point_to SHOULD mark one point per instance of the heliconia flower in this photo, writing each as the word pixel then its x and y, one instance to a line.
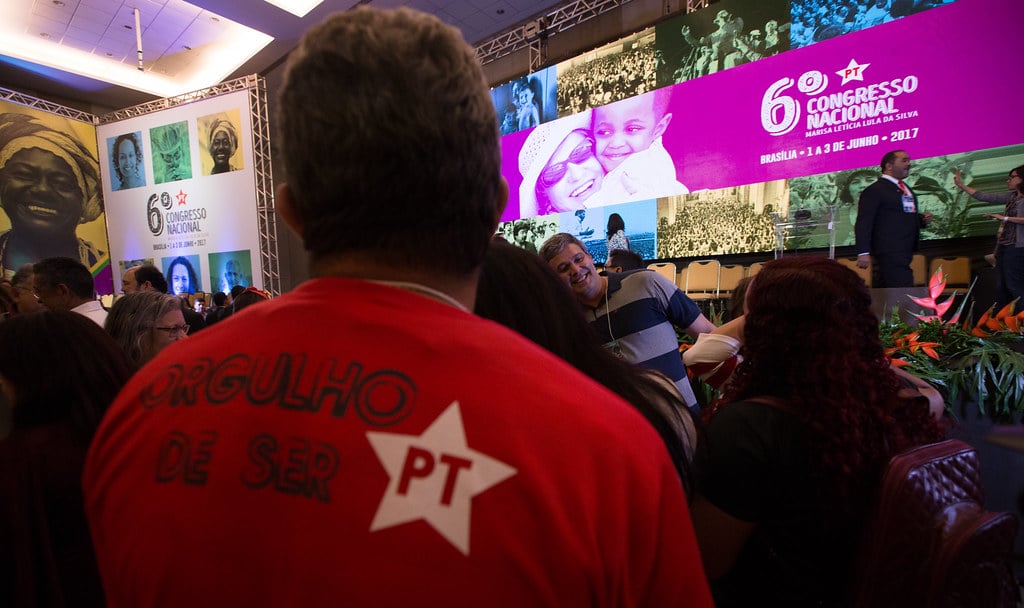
pixel 1007 310
pixel 899 362
pixel 924 302
pixel 936 284
pixel 940 309
pixel 984 318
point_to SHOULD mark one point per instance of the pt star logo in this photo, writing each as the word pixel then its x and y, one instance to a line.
pixel 853 71
pixel 434 477
pixel 181 196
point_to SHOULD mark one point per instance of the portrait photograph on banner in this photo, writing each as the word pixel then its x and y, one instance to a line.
pixel 230 268
pixel 219 151
pixel 127 169
pixel 50 192
pixel 172 160
pixel 526 102
pixel 182 274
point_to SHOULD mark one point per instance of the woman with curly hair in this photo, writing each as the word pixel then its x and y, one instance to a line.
pixel 793 459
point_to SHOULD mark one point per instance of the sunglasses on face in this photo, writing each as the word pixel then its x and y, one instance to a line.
pixel 552 174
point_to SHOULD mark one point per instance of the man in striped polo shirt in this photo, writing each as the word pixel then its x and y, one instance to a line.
pixel 635 312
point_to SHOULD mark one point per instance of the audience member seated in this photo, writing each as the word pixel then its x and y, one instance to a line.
pixel 145 322
pixel 58 374
pixel 248 297
pixel 792 461
pixel 714 357
pixel 519 290
pixel 621 260
pixel 193 319
pixel 216 312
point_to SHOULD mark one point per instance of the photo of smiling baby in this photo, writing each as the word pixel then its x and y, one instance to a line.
pixel 611 154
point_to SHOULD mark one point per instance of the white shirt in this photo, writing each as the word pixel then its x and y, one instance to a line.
pixel 92 309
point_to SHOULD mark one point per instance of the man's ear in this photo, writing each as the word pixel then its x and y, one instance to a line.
pixel 659 128
pixel 62 291
pixel 499 204
pixel 285 203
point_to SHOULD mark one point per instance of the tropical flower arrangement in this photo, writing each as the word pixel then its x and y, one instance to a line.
pixel 982 364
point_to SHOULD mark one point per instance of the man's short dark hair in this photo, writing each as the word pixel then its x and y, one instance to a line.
pixel 554 245
pixel 149 272
pixel 372 171
pixel 65 271
pixel 890 157
pixel 625 259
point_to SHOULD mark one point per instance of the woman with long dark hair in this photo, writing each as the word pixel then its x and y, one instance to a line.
pixel 58 374
pixel 616 233
pixel 793 459
pixel 520 291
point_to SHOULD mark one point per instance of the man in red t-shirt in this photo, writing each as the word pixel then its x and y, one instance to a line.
pixel 365 440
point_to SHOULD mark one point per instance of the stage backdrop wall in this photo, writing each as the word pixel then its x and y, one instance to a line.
pixel 738 126
pixel 192 209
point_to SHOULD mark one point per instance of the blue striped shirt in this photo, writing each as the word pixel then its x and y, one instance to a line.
pixel 637 317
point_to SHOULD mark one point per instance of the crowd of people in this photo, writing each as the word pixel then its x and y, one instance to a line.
pixel 817 20
pixel 714 227
pixel 486 425
pixel 606 78
pixel 686 52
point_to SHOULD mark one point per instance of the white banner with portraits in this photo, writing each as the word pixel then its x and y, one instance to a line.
pixel 180 193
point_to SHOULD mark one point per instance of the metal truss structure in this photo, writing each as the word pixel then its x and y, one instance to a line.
pixel 46 106
pixel 264 186
pixel 230 86
pixel 533 35
pixel 260 125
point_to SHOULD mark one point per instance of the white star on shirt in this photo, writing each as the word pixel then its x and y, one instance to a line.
pixel 853 71
pixel 434 477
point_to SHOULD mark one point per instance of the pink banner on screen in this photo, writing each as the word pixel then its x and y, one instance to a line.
pixel 933 83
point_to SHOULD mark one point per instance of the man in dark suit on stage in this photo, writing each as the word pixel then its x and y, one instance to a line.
pixel 888 224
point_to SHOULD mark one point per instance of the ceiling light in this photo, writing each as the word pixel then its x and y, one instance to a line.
pixel 234 45
pixel 299 8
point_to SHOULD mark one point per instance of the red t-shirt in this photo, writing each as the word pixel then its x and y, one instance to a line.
pixel 351 443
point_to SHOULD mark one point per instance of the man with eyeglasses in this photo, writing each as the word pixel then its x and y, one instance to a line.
pixel 636 313
pixel 365 439
pixel 66 284
pixel 23 291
